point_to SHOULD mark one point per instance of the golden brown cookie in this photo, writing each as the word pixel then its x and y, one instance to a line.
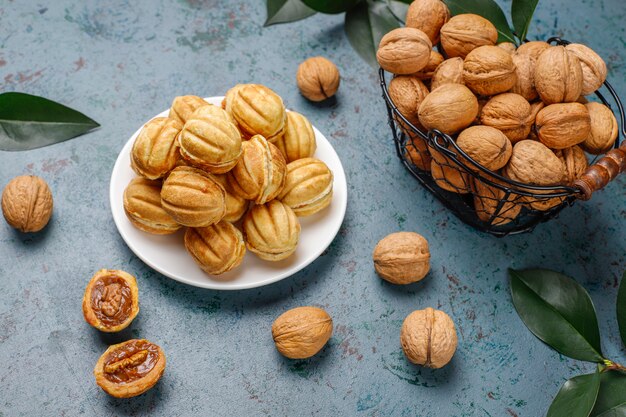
pixel 142 205
pixel 193 197
pixel 298 138
pixel 260 172
pixel 271 231
pixel 236 206
pixel 129 369
pixel 183 106
pixel 308 186
pixel 111 300
pixel 155 150
pixel 217 248
pixel 257 110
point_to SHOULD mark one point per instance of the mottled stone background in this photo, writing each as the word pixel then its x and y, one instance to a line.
pixel 122 62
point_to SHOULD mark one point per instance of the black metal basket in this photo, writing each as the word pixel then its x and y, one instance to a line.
pixel 482 198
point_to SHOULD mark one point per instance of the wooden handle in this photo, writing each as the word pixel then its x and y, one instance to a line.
pixel 602 172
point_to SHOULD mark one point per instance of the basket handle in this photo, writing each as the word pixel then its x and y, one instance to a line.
pixel 602 172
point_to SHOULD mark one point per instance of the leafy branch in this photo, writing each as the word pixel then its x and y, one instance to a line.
pixel 367 21
pixel 559 311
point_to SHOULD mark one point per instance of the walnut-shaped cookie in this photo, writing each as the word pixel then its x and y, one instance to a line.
pixel 217 248
pixel 298 139
pixel 111 300
pixel 142 205
pixel 130 368
pixel 271 231
pixel 210 140
pixel 260 172
pixel 257 110
pixel 193 197
pixel 308 186
pixel 236 206
pixel 155 150
pixel 183 106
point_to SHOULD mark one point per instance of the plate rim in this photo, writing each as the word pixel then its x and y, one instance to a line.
pixel 209 283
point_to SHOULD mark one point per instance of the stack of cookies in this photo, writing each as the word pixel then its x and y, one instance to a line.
pixel 236 176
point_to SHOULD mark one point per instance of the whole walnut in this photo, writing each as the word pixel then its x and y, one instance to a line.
pixel 302 332
pixel 593 67
pixel 449 108
pixel 534 163
pixel 318 78
pixel 427 72
pixel 402 258
pixel 604 129
pixel 428 338
pixel 465 32
pixel 510 113
pixel 558 76
pixel 447 174
pixel 487 202
pixel 449 71
pixel 489 70
pixel 428 16
pixel 404 51
pixel 27 203
pixel 507 46
pixel 416 151
pixel 525 76
pixel 485 145
pixel 533 49
pixel 563 125
pixel 407 92
pixel 574 161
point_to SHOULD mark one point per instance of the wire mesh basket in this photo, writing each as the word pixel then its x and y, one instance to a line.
pixel 485 199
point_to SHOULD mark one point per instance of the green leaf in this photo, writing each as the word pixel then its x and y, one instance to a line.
pixel 331 6
pixel 365 26
pixel 611 400
pixel 576 397
pixel 522 14
pixel 558 311
pixel 621 308
pixel 398 9
pixel 488 9
pixel 284 11
pixel 30 122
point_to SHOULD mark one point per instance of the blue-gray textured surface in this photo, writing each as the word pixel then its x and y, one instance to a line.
pixel 123 61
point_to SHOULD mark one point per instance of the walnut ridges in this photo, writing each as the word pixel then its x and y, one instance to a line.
pixel 489 70
pixel 318 78
pixel 563 125
pixel 428 338
pixel 402 258
pixel 558 76
pixel 404 51
pixel 486 145
pixel 27 203
pixel 509 113
pixel 407 92
pixel 427 72
pixel 449 71
pixel 534 163
pixel 575 163
pixel 604 129
pixel 465 32
pixel 302 332
pixel 593 67
pixel 449 108
pixel 428 16
pixel 487 204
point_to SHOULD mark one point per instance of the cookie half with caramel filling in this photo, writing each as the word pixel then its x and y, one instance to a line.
pixel 129 369
pixel 111 300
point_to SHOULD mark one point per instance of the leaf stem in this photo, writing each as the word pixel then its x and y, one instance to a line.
pixel 609 365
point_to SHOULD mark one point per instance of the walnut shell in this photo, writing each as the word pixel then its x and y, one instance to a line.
pixel 271 230
pixel 449 71
pixel 532 49
pixel 486 145
pixel 563 125
pixel 465 32
pixel 318 78
pixel 534 163
pixel 417 152
pixel 404 51
pixel 489 70
pixel 449 108
pixel 407 92
pixel 487 200
pixel 183 106
pixel 27 203
pixel 558 76
pixel 575 163
pixel 604 129
pixel 509 113
pixel 257 110
pixel 308 186
pixel 524 76
pixel 302 332
pixel 427 72
pixel 428 16
pixel 593 67
pixel 217 248
pixel 449 176
pixel 428 338
pixel 155 150
pixel 298 141
pixel 507 46
pixel 402 258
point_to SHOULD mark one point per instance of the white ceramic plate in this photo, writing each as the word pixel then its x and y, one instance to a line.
pixel 167 254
